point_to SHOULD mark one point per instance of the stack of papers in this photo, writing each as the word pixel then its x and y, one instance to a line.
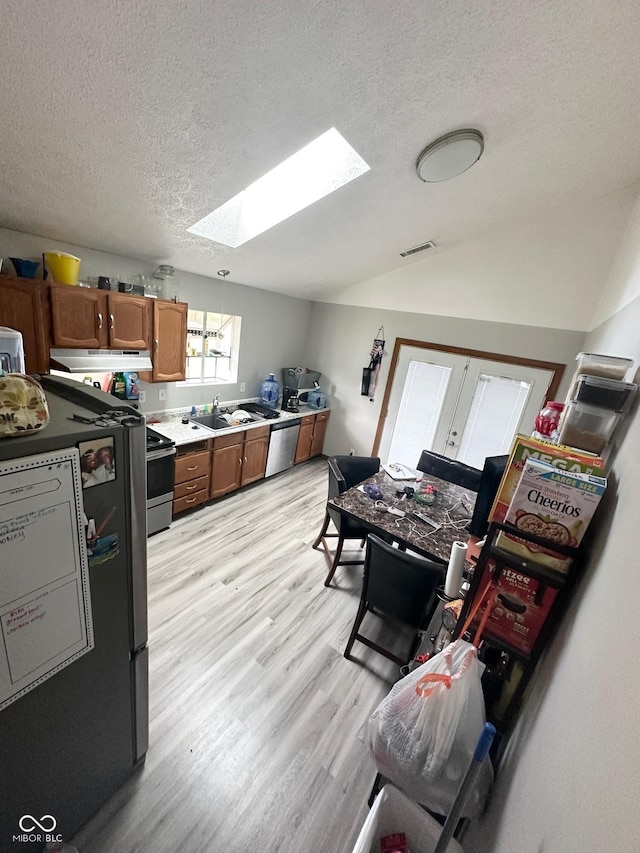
pixel 400 472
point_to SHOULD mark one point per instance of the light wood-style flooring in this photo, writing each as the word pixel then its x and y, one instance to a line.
pixel 256 716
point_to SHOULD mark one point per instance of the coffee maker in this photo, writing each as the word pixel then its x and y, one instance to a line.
pixel 290 400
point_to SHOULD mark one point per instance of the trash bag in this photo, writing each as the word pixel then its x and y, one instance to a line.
pixel 423 734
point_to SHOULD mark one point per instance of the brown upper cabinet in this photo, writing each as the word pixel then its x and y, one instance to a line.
pixel 24 307
pixel 169 350
pixel 93 319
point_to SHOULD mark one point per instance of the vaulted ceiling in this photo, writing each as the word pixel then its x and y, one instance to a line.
pixel 122 123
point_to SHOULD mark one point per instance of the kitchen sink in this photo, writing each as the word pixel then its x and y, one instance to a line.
pixel 217 422
pixel 211 421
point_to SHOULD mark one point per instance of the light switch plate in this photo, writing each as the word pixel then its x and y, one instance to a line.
pixel 243 386
pixel 162 394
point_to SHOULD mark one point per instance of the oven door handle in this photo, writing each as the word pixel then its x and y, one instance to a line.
pixel 160 453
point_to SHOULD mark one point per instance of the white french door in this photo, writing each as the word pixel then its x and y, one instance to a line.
pixel 459 406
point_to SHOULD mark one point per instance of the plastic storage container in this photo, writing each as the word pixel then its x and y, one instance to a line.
pixel 605 366
pixel 608 393
pixel 299 377
pixel 587 427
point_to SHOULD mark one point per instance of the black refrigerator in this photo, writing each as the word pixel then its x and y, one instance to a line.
pixel 73 614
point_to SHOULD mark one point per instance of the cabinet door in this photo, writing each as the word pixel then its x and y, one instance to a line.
pixel 129 321
pixel 169 354
pixel 226 470
pixel 305 437
pixel 24 307
pixel 255 459
pixel 78 317
pixel 319 430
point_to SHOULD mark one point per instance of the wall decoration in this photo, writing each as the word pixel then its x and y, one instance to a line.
pixel 370 374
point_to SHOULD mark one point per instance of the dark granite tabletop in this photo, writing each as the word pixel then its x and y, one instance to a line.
pixel 452 510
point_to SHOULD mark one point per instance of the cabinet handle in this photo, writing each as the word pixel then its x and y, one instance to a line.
pixel 190 500
pixel 155 344
pixel 99 319
pixel 112 321
pixel 191 488
pixel 193 468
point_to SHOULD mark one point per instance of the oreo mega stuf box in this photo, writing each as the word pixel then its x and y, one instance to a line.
pixel 553 504
pixel 523 449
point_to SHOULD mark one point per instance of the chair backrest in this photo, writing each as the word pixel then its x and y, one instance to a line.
pixel 450 470
pixel 344 472
pixel 402 585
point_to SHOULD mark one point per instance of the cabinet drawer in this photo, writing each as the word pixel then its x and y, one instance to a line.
pixel 190 467
pixel 257 432
pixel 185 490
pixel 189 501
pixel 308 419
pixel 323 416
pixel 228 440
pixel 192 447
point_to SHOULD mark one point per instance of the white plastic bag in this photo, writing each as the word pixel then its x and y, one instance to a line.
pixel 423 733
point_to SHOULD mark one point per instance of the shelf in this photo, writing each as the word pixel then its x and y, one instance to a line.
pixel 528 567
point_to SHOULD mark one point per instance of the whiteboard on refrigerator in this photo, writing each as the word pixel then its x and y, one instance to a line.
pixel 45 603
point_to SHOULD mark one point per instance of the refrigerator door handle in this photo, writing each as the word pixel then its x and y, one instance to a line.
pixel 137 434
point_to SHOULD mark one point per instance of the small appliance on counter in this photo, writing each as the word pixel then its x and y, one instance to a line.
pixel 11 351
pixel 290 400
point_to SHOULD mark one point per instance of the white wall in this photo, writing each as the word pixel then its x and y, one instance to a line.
pixel 274 327
pixel 340 341
pixel 548 271
pixel 570 781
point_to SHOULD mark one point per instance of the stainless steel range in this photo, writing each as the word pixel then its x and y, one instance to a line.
pixel 160 454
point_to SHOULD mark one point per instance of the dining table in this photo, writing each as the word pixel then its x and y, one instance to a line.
pixel 450 511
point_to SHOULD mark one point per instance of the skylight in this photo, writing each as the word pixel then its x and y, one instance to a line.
pixel 322 166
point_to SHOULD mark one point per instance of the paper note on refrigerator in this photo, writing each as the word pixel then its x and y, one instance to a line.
pixel 45 605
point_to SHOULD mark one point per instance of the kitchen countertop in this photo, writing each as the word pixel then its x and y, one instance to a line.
pixel 172 427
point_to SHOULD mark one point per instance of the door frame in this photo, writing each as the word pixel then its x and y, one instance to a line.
pixel 556 369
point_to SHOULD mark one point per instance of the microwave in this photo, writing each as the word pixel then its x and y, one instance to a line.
pixel 11 351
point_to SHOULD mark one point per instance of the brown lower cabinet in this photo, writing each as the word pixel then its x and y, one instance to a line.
pixel 311 436
pixel 191 475
pixel 238 459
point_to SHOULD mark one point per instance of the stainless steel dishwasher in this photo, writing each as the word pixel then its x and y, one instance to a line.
pixel 282 446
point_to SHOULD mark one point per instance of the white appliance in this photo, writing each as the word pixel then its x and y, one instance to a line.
pixel 11 351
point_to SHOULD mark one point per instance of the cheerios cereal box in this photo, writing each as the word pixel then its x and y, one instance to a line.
pixel 556 506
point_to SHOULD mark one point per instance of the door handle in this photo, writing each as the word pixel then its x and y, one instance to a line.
pixel 112 321
pixel 155 344
pixel 99 320
pixel 451 443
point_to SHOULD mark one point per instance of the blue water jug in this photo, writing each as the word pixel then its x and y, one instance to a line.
pixel 316 399
pixel 270 392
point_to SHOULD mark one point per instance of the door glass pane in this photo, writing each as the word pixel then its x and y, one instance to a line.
pixel 422 397
pixel 496 409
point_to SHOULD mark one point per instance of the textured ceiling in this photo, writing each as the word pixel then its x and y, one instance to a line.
pixel 122 123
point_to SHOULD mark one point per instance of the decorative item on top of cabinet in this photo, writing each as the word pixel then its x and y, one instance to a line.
pixel 96 319
pixel 311 436
pixel 192 472
pixel 24 306
pixel 169 350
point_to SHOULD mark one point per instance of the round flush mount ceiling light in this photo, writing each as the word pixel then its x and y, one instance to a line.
pixel 450 155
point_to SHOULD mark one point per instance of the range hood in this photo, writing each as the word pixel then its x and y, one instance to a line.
pixel 99 360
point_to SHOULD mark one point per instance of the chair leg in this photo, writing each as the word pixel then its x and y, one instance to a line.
pixel 336 560
pixel 362 609
pixel 325 527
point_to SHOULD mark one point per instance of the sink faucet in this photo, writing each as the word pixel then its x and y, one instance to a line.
pixel 216 401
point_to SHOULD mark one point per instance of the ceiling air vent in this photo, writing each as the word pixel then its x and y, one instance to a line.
pixel 421 248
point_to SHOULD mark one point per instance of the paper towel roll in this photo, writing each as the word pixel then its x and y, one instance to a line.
pixel 455 570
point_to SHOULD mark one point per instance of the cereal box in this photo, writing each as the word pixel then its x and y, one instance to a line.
pixel 521 607
pixel 524 448
pixel 553 504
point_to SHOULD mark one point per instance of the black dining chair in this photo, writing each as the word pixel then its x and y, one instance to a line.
pixel 450 470
pixel 400 586
pixel 344 472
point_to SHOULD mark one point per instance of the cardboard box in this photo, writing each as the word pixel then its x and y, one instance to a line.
pixel 520 610
pixel 561 457
pixel 555 505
